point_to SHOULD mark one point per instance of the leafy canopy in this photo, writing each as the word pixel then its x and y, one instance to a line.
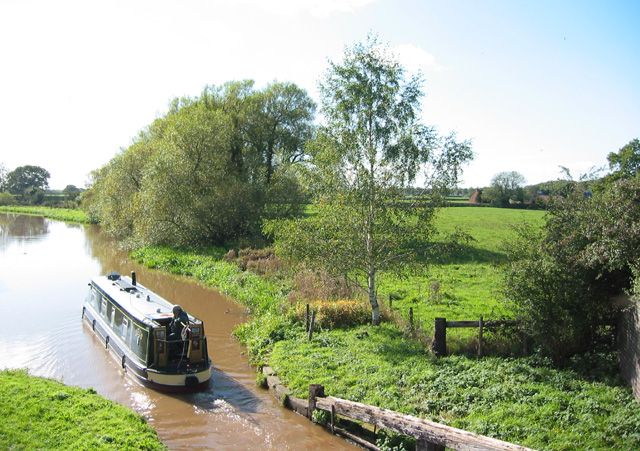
pixel 24 179
pixel 210 170
pixel 371 146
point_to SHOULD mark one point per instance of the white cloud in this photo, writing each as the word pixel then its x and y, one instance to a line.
pixel 416 59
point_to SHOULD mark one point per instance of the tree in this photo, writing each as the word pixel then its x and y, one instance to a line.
pixel 3 177
pixel 208 171
pixel 28 182
pixel 562 279
pixel 626 162
pixel 371 147
pixel 25 178
pixel 71 192
pixel 281 125
pixel 506 186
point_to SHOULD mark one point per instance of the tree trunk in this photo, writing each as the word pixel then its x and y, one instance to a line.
pixel 373 298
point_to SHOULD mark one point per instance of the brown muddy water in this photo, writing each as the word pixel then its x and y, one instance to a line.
pixel 45 267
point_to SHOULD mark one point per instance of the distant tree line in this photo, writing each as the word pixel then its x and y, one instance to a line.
pixel 29 185
pixel 508 189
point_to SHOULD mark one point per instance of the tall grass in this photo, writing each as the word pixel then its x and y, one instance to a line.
pixel 257 293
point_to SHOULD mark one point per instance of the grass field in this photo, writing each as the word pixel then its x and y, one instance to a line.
pixel 467 285
pixel 60 214
pixel 44 414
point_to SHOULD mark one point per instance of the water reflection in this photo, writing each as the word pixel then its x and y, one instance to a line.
pixel 18 228
pixel 44 269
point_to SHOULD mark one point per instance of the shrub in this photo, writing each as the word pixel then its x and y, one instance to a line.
pixel 259 261
pixel 333 314
pixel 310 285
pixel 562 279
pixel 7 199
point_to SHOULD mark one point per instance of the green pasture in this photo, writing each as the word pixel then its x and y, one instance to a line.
pixel 466 285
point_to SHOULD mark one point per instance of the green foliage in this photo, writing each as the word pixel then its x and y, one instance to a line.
pixel 626 162
pixel 370 148
pixel 524 401
pixel 261 333
pixel 261 380
pixel 562 279
pixel 60 214
pixel 7 199
pixel 321 417
pixel 28 182
pixel 44 414
pixel 207 266
pixel 208 171
pixel 390 441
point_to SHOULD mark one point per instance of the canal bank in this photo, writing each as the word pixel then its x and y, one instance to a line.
pixel 44 269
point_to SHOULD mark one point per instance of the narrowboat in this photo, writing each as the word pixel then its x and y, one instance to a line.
pixel 136 324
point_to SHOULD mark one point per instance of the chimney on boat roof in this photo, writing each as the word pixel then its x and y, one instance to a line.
pixel 133 278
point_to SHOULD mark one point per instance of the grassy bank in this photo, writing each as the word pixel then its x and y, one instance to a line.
pixel 60 214
pixel 523 400
pixel 44 414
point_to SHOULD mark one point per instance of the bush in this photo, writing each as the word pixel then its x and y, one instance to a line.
pixel 332 314
pixel 7 199
pixel 311 285
pixel 562 280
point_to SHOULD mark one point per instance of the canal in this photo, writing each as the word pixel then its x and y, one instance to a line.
pixel 45 267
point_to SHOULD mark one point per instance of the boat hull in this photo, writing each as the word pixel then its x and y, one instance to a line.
pixel 186 381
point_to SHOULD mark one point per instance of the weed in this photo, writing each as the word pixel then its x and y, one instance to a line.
pixel 332 314
pixel 261 380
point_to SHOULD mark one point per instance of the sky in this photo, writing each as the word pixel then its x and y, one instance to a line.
pixel 533 84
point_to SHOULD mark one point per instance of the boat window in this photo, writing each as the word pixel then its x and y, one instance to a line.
pixel 113 314
pixel 93 298
pixel 116 319
pixel 124 330
pixel 138 341
pixel 103 307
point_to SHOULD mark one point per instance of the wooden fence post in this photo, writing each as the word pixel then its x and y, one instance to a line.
pixel 480 330
pixel 411 326
pixel 306 319
pixel 439 345
pixel 312 323
pixel 315 391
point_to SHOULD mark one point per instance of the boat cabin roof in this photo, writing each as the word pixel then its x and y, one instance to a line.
pixel 139 301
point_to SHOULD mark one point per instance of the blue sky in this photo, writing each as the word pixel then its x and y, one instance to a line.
pixel 534 84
